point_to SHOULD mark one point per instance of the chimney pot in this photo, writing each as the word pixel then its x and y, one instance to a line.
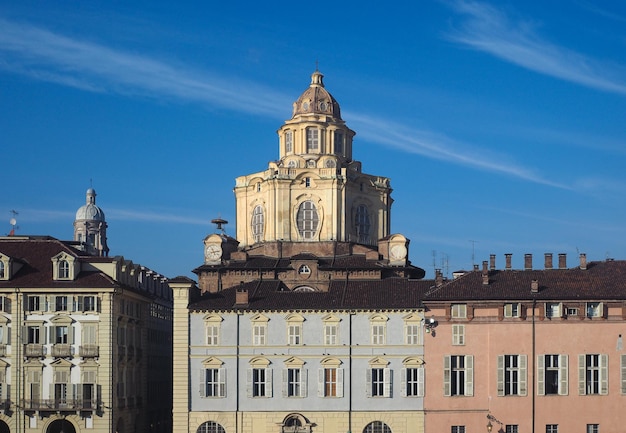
pixel 507 258
pixel 492 260
pixel 528 262
pixel 241 296
pixel 548 260
pixel 562 261
pixel 583 261
pixel 438 277
pixel 485 273
pixel 475 267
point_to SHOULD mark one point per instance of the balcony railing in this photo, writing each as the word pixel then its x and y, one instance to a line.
pixel 34 350
pixel 89 351
pixel 61 350
pixel 61 404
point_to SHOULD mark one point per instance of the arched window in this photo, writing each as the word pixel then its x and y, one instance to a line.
pixel 210 427
pixel 288 141
pixel 377 427
pixel 362 224
pixel 64 269
pixel 307 220
pixel 338 142
pixel 258 221
pixel 304 269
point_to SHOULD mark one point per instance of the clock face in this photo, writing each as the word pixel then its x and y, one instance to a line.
pixel 398 252
pixel 213 252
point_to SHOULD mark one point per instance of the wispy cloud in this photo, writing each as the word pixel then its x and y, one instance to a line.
pixel 490 30
pixel 443 148
pixel 43 55
pixel 47 56
pixel 154 216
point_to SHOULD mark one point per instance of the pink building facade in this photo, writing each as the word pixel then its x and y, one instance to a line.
pixel 527 350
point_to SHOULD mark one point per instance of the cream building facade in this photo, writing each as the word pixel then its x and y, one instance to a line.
pixel 85 339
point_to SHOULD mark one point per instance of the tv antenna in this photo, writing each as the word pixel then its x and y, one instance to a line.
pixel 473 250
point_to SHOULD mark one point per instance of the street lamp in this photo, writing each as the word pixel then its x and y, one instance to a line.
pixel 489 426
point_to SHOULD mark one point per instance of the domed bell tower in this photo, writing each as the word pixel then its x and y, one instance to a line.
pixel 315 192
pixel 90 227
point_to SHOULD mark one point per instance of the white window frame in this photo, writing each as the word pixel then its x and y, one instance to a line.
pixel 456 375
pixel 294 334
pixel 412 381
pixel 331 334
pixel 596 367
pixel 545 363
pixel 512 375
pixel 212 334
pixel 413 333
pixel 288 141
pixel 307 219
pixel 213 382
pixel 378 381
pixel 512 310
pixel 259 382
pixel 458 335
pixel 379 330
pixel 458 311
pixel 259 334
pixel 294 382
pixel 554 310
pixel 258 223
pixel 594 310
pixel 330 381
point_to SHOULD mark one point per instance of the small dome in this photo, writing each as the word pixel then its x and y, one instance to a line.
pixel 90 211
pixel 316 100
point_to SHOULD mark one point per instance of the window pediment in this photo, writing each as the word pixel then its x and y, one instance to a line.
pixel 294 317
pixel 213 318
pixel 64 267
pixel 61 320
pixel 294 362
pixel 331 318
pixel 260 361
pixel 412 361
pixel 378 362
pixel 62 363
pixel 378 318
pixel 259 318
pixel 212 362
pixel 331 362
pixel 413 317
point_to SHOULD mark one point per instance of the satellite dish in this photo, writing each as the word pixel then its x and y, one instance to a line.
pixel 13 221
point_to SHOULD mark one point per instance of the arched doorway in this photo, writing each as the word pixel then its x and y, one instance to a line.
pixel 61 426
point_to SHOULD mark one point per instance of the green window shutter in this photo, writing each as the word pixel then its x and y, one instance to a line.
pixel 340 382
pixel 388 382
pixel 541 389
pixel 581 375
pixel 500 378
pixel 563 375
pixel 304 374
pixel 420 382
pixel 469 375
pixel 623 375
pixel 202 382
pixel 446 376
pixel 222 382
pixel 523 375
pixel 321 383
pixel 604 374
pixel 268 382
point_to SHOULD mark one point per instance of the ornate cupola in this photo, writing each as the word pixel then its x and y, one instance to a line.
pixel 315 191
pixel 90 227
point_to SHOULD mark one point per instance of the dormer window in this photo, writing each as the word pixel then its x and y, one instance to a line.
pixel 5 267
pixel 64 269
pixel 304 269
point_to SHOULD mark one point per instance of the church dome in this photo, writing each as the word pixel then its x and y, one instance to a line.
pixel 89 211
pixel 316 100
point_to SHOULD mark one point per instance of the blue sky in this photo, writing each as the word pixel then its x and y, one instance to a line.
pixel 501 125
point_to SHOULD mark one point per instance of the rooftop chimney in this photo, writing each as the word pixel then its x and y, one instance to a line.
pixel 583 261
pixel 508 261
pixel 438 278
pixel 528 262
pixel 534 286
pixel 562 261
pixel 241 297
pixel 492 262
pixel 548 260
pixel 485 273
pixel 475 267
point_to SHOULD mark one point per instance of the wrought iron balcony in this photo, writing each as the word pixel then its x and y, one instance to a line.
pixel 61 404
pixel 32 350
pixel 89 351
pixel 61 350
